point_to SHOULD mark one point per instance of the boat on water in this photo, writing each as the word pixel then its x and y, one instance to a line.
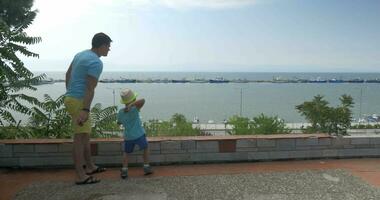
pixel 239 81
pixel 317 80
pixel 334 80
pixel 199 80
pixel 44 81
pixel 356 80
pixel 218 80
pixel 180 81
pixel 373 81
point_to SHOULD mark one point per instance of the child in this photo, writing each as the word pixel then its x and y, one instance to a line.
pixel 134 133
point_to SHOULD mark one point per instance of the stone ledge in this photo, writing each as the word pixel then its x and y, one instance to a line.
pixel 202 149
pixel 173 138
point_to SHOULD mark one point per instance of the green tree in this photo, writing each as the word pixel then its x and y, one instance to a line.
pixel 240 125
pixel 15 17
pixel 267 125
pixel 50 119
pixel 324 118
pixel 176 126
pixel 257 125
pixel 14 12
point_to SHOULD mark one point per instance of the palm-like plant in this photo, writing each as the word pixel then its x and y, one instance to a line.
pixel 50 119
pixel 103 120
pixel 14 76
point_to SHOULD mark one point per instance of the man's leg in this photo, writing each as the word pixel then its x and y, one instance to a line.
pixel 78 156
pixel 90 166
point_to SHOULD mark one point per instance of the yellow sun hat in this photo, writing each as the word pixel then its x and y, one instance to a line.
pixel 127 96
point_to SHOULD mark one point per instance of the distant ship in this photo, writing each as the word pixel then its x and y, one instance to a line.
pixel 180 81
pixel 333 80
pixel 218 80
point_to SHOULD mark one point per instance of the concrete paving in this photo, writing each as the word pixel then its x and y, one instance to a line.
pixel 347 179
pixel 316 184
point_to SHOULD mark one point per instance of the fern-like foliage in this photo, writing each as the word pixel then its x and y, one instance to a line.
pixel 103 120
pixel 50 119
pixel 15 17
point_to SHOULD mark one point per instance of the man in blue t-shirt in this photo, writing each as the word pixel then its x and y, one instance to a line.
pixel 134 133
pixel 81 80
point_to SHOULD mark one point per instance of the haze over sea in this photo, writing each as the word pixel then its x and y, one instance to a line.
pixel 217 102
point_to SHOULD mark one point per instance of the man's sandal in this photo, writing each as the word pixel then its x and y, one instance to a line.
pixel 97 170
pixel 88 180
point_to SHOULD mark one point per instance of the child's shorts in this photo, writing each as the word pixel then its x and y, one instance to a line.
pixel 129 145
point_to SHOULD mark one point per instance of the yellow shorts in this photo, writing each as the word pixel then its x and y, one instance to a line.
pixel 74 106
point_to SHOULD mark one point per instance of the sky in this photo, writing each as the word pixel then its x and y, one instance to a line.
pixel 212 35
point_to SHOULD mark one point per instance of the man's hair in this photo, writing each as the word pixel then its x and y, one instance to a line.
pixel 99 39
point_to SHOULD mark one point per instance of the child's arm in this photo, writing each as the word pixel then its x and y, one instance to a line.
pixel 139 104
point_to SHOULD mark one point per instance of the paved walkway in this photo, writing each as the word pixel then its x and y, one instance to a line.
pixel 312 179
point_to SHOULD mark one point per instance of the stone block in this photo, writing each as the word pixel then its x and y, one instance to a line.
pixel 266 143
pixel 258 156
pixel 324 141
pixel 246 149
pixel 306 141
pixel 360 141
pixel 298 154
pixel 374 141
pixel 23 148
pixel 170 145
pixel 359 152
pixel 177 158
pixel 113 160
pixel 286 144
pixel 109 147
pixel 274 155
pixel 340 142
pixel 45 161
pixel 212 157
pixel 9 162
pixel 46 148
pixel 227 146
pixel 328 153
pixel 314 154
pixel 65 147
pixel 246 143
pixel 188 145
pixel 155 146
pixel 6 150
pixel 207 146
pixel 159 158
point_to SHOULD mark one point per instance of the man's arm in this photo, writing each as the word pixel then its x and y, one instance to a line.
pixel 89 93
pixel 88 96
pixel 68 75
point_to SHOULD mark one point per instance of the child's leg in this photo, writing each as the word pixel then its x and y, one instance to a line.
pixel 147 169
pixel 146 156
pixel 124 169
pixel 125 160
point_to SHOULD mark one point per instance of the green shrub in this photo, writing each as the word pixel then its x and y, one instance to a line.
pixel 268 125
pixel 176 126
pixel 258 125
pixel 327 119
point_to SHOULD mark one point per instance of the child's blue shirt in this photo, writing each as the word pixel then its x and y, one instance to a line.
pixel 131 121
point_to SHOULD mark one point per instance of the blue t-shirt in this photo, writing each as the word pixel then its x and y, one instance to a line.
pixel 84 63
pixel 131 121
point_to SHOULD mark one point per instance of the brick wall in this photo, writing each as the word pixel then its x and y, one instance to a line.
pixel 204 149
